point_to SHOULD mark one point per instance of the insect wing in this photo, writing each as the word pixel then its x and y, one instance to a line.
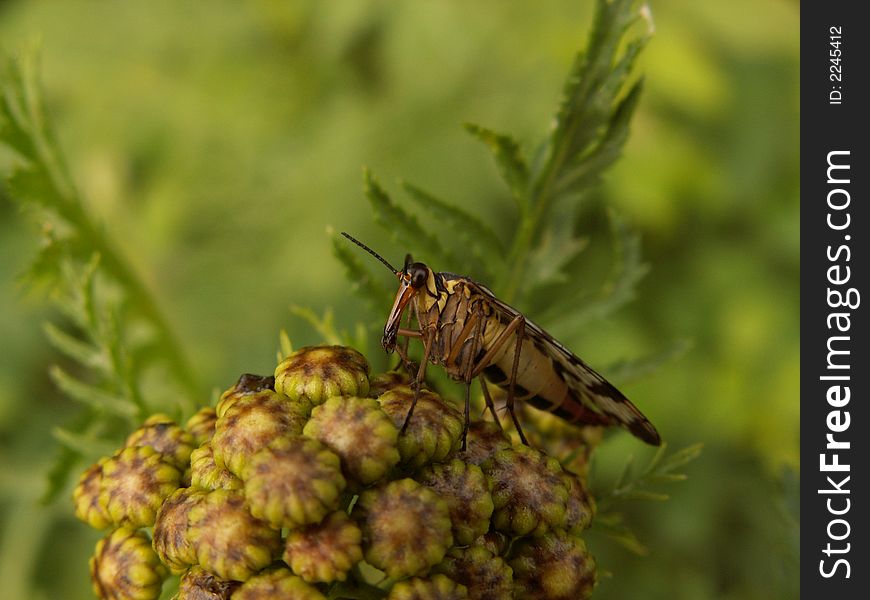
pixel 598 401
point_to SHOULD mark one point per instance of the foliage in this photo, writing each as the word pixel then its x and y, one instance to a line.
pixel 590 129
pixel 215 154
pixel 114 332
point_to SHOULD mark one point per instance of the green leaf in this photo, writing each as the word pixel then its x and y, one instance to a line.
pixel 587 170
pixel 285 347
pixel 402 225
pixel 508 157
pixel 660 469
pixel 360 276
pixel 618 291
pixel 93 396
pixel 76 349
pixel 612 525
pixel 477 238
pixel 590 128
pixel 324 326
pixel 83 444
pixel 631 370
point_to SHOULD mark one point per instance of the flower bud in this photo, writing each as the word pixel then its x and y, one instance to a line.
pixel 124 567
pixel 484 574
pixel 406 527
pixel 581 504
pixel 135 483
pixel 199 584
pixel 201 425
pixel 360 433
pixel 382 383
pixel 171 540
pixel 436 587
pixel 317 373
pixel 229 541
pixel 252 423
pixel 206 474
pixel 86 497
pixel 277 584
pixel 325 551
pixel 528 492
pixel 432 434
pixel 553 567
pixel 161 433
pixel 484 439
pixel 293 482
pixel 247 384
pixel 465 489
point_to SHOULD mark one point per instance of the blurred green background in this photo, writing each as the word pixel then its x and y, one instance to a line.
pixel 219 141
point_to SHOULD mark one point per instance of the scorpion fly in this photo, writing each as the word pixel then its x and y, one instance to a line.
pixel 472 334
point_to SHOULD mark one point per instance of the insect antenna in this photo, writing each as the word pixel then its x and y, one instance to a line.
pixel 370 251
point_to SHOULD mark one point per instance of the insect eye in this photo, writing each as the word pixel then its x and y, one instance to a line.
pixel 419 275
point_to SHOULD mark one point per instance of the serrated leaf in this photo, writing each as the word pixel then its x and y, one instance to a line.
pixel 478 239
pixel 630 370
pixel 557 248
pixel 59 473
pixel 509 159
pixel 612 525
pixel 621 287
pixel 83 444
pixel 91 395
pixel 644 495
pixel 403 226
pixel 586 171
pixel 660 469
pixel 360 276
pixel 76 349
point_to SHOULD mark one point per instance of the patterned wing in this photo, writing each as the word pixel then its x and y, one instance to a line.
pixel 590 398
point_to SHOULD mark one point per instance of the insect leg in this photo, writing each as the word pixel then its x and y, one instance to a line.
pixel 516 326
pixel 521 330
pixel 421 375
pixel 488 399
pixel 476 321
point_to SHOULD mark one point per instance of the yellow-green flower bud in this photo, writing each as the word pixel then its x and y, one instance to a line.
pixel 380 384
pixel 171 540
pixel 229 541
pixel 277 584
pixel 247 384
pixel 436 587
pixel 199 584
pixel 201 425
pixel 528 492
pixel 206 474
pixel 325 551
pixel 86 497
pixel 161 433
pixel 484 574
pixel 406 527
pixel 317 373
pixel 557 437
pixel 293 482
pixel 484 439
pixel 433 432
pixel 360 433
pixel 124 567
pixel 252 423
pixel 464 487
pixel 135 483
pixel 553 567
pixel 581 504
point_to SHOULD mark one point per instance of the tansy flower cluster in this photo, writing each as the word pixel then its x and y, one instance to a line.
pixel 304 485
